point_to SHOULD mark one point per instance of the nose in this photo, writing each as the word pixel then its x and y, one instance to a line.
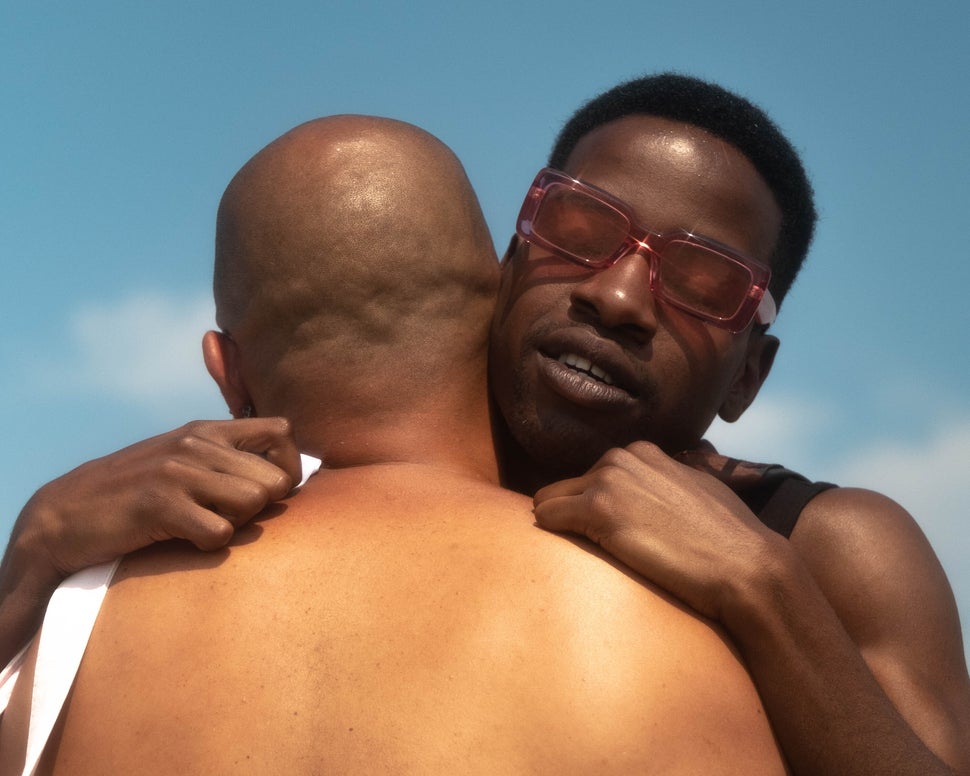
pixel 619 296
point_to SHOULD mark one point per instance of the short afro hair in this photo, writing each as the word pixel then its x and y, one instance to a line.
pixel 731 118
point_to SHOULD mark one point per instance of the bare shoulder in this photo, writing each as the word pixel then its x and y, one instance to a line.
pixel 631 666
pixel 867 551
pixel 882 577
pixel 393 613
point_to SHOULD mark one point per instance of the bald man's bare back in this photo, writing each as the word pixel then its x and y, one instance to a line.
pixel 402 619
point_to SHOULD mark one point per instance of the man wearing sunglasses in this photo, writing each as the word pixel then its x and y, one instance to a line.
pixel 611 354
pixel 646 267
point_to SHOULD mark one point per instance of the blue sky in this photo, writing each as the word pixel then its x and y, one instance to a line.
pixel 122 123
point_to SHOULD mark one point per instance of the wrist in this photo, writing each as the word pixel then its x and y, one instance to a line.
pixel 28 578
pixel 764 594
pixel 28 564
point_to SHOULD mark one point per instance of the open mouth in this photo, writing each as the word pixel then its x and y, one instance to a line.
pixel 587 367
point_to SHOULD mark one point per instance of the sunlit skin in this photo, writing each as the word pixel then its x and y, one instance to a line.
pixel 671 373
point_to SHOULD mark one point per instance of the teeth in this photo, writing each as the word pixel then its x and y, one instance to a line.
pixel 581 364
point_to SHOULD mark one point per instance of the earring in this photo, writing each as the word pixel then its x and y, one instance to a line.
pixel 247 411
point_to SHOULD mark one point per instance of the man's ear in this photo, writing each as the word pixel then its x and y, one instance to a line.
pixel 222 359
pixel 750 377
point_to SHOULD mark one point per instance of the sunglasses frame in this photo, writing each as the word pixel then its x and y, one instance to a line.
pixel 758 304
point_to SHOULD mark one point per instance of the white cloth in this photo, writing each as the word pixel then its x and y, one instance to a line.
pixel 64 635
pixel 67 626
pixel 71 611
pixel 8 677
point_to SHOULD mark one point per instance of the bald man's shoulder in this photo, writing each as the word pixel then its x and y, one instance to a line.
pixel 403 619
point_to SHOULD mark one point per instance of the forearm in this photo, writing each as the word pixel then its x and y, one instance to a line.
pixel 20 617
pixel 26 585
pixel 827 709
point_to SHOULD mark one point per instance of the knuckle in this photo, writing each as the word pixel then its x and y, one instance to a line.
pixel 190 442
pixel 642 448
pixel 214 536
pixel 609 480
pixel 600 507
pixel 279 486
pixel 282 426
pixel 197 428
pixel 614 457
pixel 252 497
pixel 170 469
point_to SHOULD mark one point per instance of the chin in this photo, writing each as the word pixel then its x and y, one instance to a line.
pixel 563 452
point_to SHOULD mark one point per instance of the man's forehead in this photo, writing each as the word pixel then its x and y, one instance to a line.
pixel 641 132
pixel 637 149
pixel 675 175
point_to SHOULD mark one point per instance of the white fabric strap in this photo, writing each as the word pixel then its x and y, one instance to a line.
pixel 67 626
pixel 8 677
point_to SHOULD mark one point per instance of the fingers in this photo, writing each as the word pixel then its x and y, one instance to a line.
pixel 612 500
pixel 211 489
pixel 636 459
pixel 207 509
pixel 204 528
pixel 579 503
pixel 272 438
pixel 580 516
pixel 678 527
pixel 260 450
pixel 204 480
pixel 566 513
pixel 273 459
pixel 590 505
pixel 233 497
pixel 570 487
pixel 285 456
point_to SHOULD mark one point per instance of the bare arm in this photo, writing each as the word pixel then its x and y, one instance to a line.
pixel 849 630
pixel 198 482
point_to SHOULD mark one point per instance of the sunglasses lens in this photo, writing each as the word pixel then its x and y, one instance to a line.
pixel 562 216
pixel 703 280
pixel 580 226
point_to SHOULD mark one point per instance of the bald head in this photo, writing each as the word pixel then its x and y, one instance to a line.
pixel 352 243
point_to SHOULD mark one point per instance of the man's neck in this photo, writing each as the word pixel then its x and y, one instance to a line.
pixel 429 438
pixel 517 470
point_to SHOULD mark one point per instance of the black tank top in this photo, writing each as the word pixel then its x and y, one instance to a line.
pixel 780 496
pixel 775 494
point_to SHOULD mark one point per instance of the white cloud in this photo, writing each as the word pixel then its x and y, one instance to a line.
pixel 928 476
pixel 782 430
pixel 143 349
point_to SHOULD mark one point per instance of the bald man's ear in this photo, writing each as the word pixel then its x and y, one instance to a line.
pixel 221 356
pixel 750 377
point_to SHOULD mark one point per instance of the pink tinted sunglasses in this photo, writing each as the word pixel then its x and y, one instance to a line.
pixel 588 226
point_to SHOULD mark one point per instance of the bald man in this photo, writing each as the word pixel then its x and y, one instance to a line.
pixel 401 613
